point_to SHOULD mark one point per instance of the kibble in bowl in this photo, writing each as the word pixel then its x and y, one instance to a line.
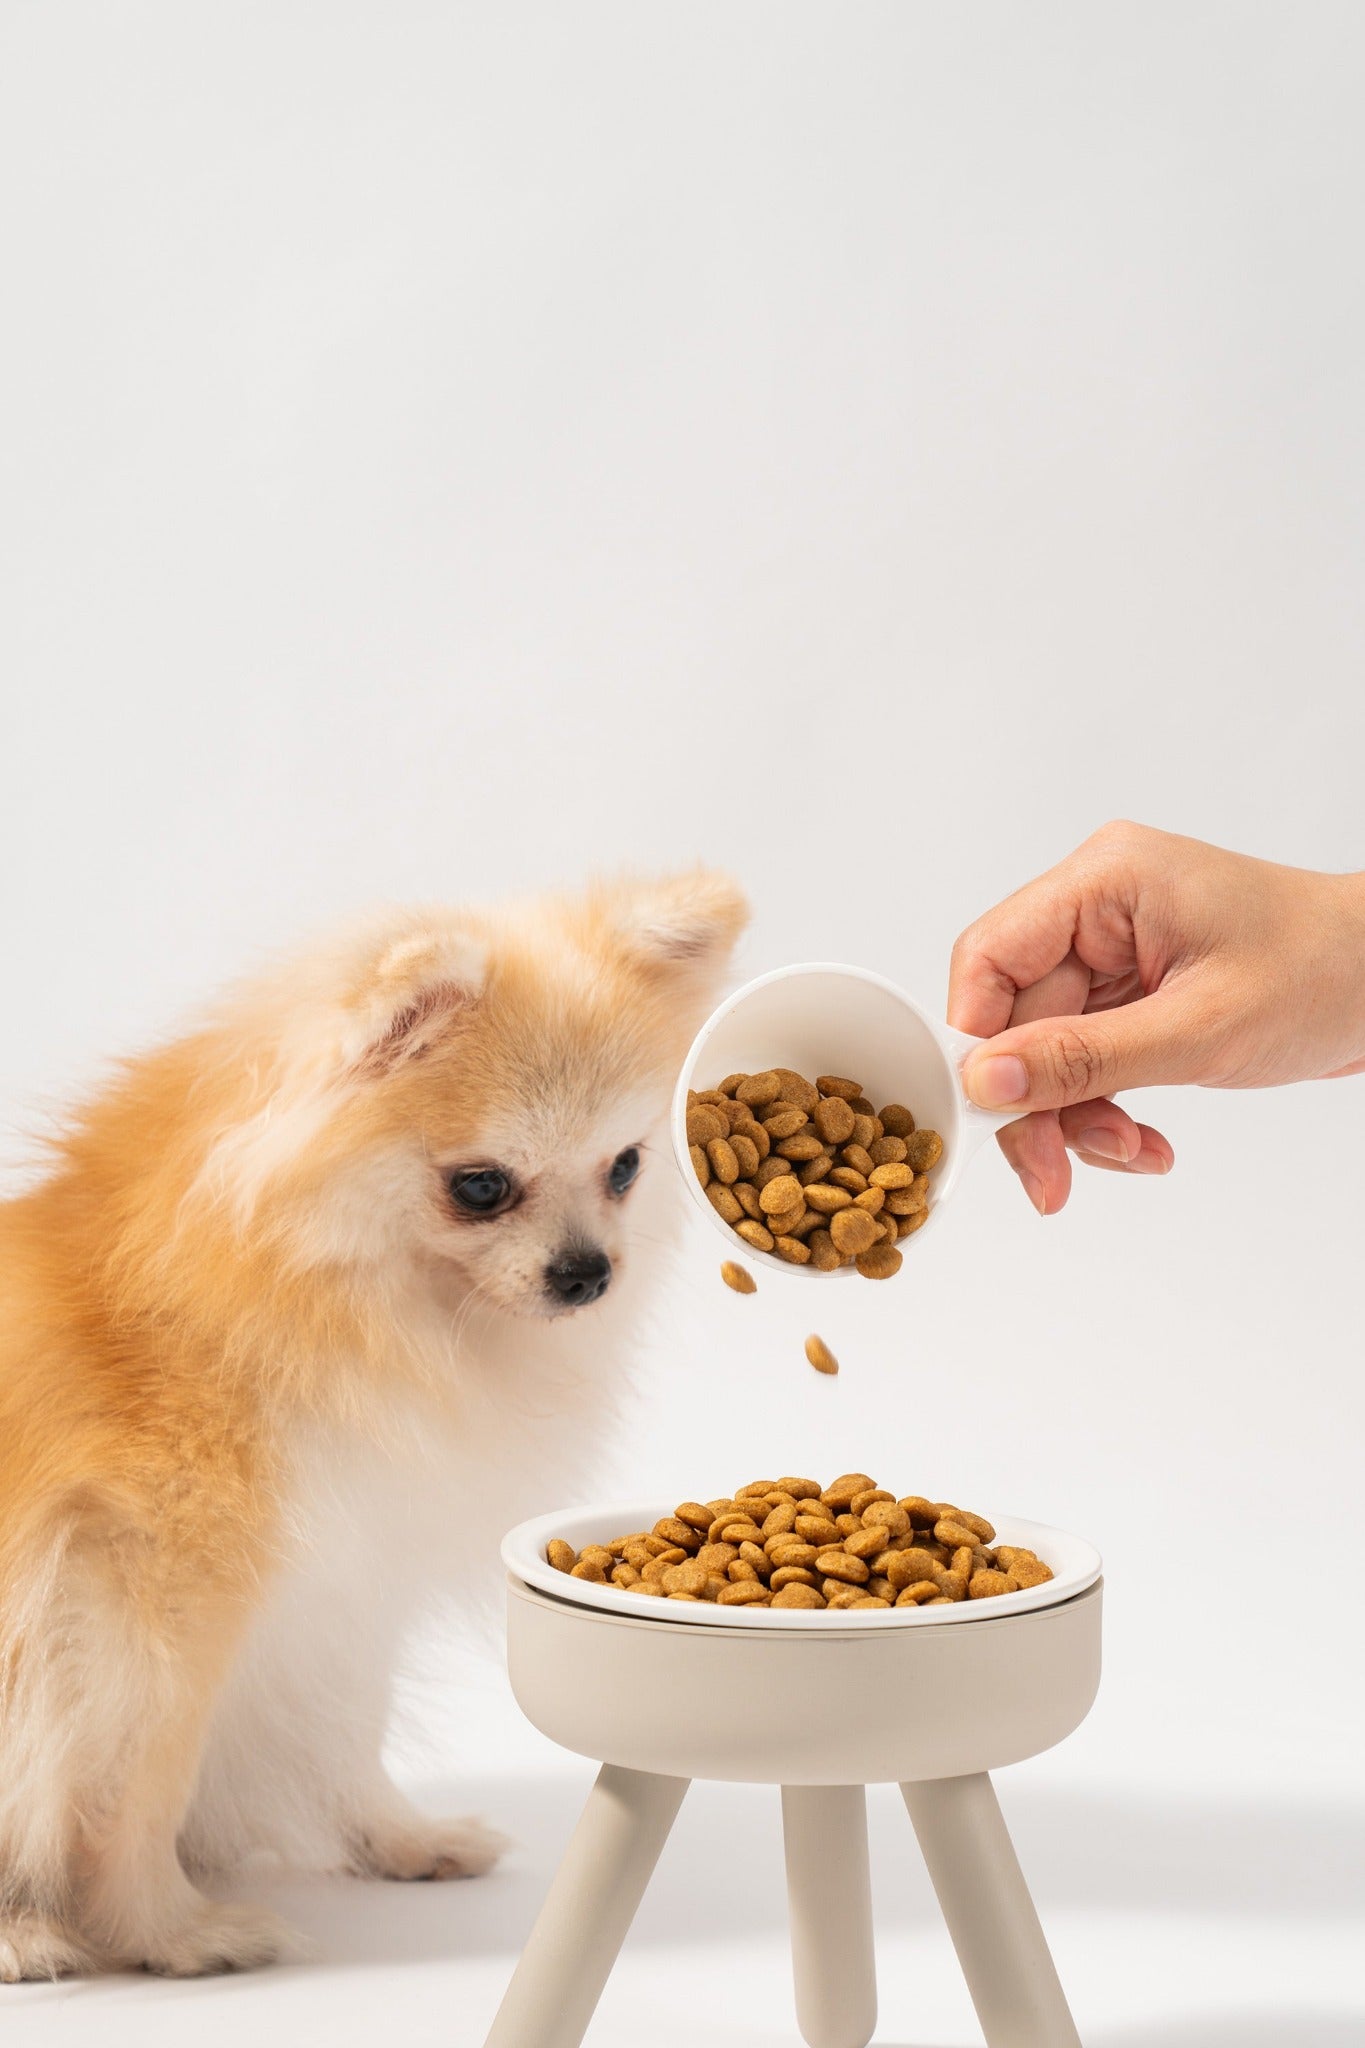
pixel 849 1579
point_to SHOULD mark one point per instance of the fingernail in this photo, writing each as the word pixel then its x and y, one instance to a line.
pixel 1103 1143
pixel 994 1081
pixel 1148 1162
pixel 1034 1189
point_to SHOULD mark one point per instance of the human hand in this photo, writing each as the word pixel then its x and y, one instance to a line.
pixel 1147 959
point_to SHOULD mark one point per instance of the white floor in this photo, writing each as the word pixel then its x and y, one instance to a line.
pixel 1210 1898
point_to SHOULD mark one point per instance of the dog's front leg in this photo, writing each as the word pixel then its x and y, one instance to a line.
pixel 137 1905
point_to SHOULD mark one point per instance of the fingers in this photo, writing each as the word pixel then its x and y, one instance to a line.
pixel 1036 1150
pixel 1102 1134
pixel 1087 903
pixel 1099 1133
pixel 1100 1130
pixel 1013 946
pixel 1053 1062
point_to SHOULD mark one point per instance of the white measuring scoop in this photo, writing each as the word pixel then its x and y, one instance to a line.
pixel 820 1018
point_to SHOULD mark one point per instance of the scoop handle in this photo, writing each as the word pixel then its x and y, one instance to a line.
pixel 977 1124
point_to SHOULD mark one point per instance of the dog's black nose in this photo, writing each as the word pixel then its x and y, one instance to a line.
pixel 580 1277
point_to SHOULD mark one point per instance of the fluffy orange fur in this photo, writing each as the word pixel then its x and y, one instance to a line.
pixel 246 1249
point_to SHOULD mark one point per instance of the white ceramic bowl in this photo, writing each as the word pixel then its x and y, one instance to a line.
pixel 1075 1565
pixel 820 1018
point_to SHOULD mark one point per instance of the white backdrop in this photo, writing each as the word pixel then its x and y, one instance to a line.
pixel 452 448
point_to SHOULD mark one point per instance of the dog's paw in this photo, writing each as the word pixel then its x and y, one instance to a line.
pixel 218 1938
pixel 34 1947
pixel 432 1849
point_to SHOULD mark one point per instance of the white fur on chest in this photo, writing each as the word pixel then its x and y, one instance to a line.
pixel 381 1522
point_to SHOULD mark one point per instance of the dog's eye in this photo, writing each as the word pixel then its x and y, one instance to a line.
pixel 624 1168
pixel 480 1189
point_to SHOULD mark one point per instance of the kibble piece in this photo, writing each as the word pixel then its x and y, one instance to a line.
pixel 853 1230
pixel 819 1354
pixel 871 1199
pixel 747 1197
pixel 834 1084
pixel 866 1131
pixel 827 1200
pixel 918 1595
pixel 885 1514
pixel 834 1120
pixel 731 1082
pixel 561 1555
pixel 862 1107
pixel 685 1578
pixel 796 1595
pixel 743 1593
pixel 858 1159
pixel 782 1191
pixel 880 1263
pixel 724 1164
pixel 989 1585
pixel 894 1174
pixel 701 1165
pixel 790 1575
pixel 923 1513
pixel 840 1492
pixel 804 1148
pixel 837 1564
pixel 782 1222
pixel 923 1150
pixel 823 1255
pixel 704 1123
pixel 753 1233
pixel 784 1121
pixel 746 1153
pixel 884 1151
pixel 593 1573
pixel 849 1178
pixel 897 1121
pixel 758 1089
pixel 909 1224
pixel 796 1088
pixel 772 1169
pixel 811 1171
pixel 792 1250
pixel 725 1204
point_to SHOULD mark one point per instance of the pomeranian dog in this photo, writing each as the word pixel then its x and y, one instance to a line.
pixel 311 1302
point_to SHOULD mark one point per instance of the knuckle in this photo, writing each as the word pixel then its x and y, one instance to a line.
pixel 1075 1065
pixel 1120 835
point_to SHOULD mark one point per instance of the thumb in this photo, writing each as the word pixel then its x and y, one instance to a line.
pixel 1061 1060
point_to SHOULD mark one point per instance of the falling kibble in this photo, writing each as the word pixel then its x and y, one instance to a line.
pixel 820 1355
pixel 741 1279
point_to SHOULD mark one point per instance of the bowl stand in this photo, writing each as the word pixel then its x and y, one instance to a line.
pixel 934 1709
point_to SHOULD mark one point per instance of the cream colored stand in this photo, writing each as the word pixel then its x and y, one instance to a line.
pixel 935 1708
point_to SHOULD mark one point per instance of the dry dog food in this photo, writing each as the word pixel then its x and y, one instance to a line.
pixel 809 1171
pixel 739 1277
pixel 820 1355
pixel 794 1543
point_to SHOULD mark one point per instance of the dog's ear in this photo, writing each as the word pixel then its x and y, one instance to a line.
pixel 408 993
pixel 686 920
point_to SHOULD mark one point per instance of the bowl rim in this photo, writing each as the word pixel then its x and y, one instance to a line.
pixel 1076 1564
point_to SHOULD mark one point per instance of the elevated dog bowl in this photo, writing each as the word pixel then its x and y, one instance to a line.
pixel 822 1711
